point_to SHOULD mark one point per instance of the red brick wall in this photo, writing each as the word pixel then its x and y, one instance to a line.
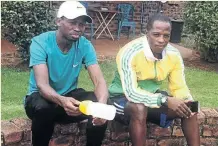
pixel 17 133
pixel 9 54
pixel 172 9
pixel 10 59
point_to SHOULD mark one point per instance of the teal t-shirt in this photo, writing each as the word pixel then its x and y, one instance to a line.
pixel 63 68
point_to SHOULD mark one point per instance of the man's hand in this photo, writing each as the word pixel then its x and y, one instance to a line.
pixel 71 106
pixel 179 106
pixel 98 121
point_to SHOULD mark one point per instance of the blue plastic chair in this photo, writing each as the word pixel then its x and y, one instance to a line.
pixel 85 4
pixel 126 18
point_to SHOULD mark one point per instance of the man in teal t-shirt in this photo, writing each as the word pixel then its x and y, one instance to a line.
pixel 56 59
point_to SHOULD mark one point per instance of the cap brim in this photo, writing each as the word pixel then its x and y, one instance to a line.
pixel 88 18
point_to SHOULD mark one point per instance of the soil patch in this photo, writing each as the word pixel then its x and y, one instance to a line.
pixel 107 50
pixel 202 64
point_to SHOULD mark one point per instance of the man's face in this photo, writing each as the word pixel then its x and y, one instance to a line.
pixel 159 36
pixel 71 29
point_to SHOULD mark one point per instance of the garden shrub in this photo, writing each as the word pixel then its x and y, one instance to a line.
pixel 201 19
pixel 21 20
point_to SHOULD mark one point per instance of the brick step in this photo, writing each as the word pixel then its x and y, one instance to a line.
pixel 17 132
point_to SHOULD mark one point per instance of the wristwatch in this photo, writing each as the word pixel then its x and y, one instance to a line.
pixel 164 100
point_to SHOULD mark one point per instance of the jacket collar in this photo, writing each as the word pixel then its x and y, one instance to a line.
pixel 147 50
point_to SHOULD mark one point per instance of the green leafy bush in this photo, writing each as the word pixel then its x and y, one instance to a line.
pixel 201 19
pixel 20 21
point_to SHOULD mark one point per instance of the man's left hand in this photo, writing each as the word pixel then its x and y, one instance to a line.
pixel 98 121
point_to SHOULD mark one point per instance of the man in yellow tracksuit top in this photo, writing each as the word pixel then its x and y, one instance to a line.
pixel 142 65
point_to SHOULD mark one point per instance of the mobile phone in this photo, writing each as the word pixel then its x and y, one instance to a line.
pixel 194 106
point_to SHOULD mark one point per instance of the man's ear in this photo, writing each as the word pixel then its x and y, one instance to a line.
pixel 146 31
pixel 58 22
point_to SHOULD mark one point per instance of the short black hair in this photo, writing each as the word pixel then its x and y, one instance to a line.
pixel 157 17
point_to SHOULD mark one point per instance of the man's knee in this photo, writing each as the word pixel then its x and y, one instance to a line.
pixel 37 105
pixel 136 111
pixel 45 108
pixel 91 96
pixel 80 94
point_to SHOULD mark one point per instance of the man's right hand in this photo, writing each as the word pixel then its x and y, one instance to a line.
pixel 179 106
pixel 71 106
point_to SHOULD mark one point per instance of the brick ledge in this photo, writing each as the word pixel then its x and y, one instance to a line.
pixel 17 132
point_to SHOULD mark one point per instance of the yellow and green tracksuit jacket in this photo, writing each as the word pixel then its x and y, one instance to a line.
pixel 139 74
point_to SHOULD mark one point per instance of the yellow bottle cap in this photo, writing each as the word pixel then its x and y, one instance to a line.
pixel 83 106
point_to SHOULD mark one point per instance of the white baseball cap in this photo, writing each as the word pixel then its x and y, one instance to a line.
pixel 72 10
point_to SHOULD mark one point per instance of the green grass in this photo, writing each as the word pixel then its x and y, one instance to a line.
pixel 14 87
pixel 203 86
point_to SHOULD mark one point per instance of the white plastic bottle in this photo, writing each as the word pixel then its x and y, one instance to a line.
pixel 97 109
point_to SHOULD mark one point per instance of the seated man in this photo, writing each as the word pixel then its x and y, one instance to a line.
pixel 143 64
pixel 56 58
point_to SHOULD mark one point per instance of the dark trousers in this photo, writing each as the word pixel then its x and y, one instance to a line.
pixel 44 114
pixel 155 115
